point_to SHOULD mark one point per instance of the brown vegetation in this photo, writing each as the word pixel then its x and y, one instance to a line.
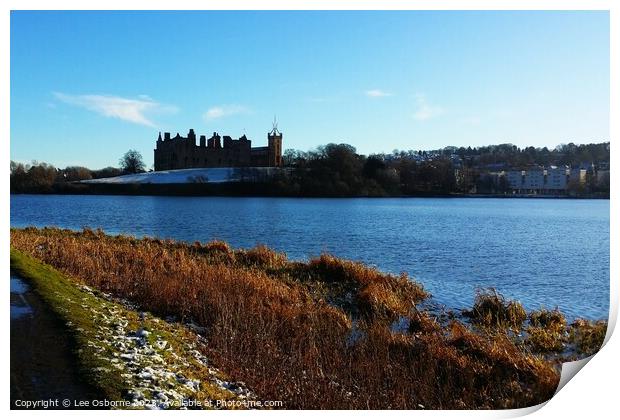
pixel 491 309
pixel 588 336
pixel 316 334
pixel 547 331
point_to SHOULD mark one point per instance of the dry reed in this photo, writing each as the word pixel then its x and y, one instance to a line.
pixel 315 335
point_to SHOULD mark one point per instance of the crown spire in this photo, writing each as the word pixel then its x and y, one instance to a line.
pixel 274 129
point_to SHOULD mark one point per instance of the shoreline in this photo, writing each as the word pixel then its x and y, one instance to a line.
pixel 181 190
pixel 353 309
pixel 246 222
pixel 431 304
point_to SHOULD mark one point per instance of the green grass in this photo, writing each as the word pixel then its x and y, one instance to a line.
pixel 84 315
pixel 66 301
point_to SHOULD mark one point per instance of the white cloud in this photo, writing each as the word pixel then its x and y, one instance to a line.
pixel 377 93
pixel 222 111
pixel 126 109
pixel 321 99
pixel 426 111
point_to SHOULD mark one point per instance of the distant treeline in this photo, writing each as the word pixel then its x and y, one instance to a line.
pixel 337 170
pixel 512 156
pixel 44 178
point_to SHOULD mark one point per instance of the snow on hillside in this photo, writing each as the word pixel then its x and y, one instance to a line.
pixel 189 176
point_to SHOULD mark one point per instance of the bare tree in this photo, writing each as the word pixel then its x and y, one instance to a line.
pixel 132 162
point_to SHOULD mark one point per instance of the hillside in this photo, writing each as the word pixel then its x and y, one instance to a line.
pixel 188 176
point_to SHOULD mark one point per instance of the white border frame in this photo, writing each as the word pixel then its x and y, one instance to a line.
pixel 591 394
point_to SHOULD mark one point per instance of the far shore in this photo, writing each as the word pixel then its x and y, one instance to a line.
pixel 257 189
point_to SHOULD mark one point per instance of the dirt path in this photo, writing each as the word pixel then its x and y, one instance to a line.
pixel 42 364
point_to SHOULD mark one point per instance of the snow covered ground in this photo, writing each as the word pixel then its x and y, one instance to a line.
pixel 185 176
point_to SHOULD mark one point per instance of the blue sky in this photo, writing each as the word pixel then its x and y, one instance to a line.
pixel 88 86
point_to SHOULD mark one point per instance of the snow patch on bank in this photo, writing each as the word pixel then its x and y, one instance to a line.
pixel 191 176
pixel 155 371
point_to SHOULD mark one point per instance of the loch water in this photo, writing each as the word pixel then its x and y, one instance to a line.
pixel 543 252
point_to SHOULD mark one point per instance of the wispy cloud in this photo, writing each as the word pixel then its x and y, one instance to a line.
pixel 126 109
pixel 222 111
pixel 424 110
pixel 377 93
pixel 321 99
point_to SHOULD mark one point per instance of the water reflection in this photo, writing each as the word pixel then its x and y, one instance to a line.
pixel 19 304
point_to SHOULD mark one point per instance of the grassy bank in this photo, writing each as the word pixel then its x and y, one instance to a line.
pixel 127 355
pixel 322 334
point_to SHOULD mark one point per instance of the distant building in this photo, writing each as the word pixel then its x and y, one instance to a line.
pixel 535 179
pixel 544 180
pixel 216 152
pixel 557 179
pixel 515 179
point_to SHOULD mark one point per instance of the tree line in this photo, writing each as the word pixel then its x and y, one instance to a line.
pixel 41 177
pixel 510 155
pixel 337 170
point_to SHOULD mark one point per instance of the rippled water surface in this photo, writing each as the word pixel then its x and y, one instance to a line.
pixel 542 252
